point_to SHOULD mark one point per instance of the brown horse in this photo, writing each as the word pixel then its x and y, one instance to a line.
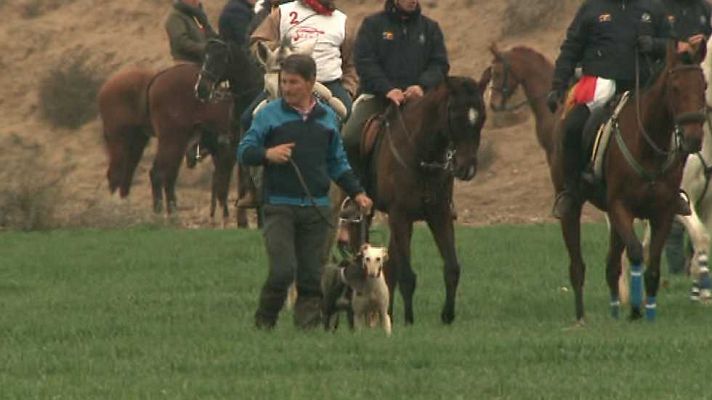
pixel 422 147
pixel 136 103
pixel 652 136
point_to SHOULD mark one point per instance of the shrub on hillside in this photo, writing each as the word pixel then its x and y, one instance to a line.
pixel 35 8
pixel 31 190
pixel 68 93
pixel 524 16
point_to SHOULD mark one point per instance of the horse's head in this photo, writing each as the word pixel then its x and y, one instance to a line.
pixel 271 56
pixel 503 81
pixel 214 69
pixel 466 117
pixel 685 97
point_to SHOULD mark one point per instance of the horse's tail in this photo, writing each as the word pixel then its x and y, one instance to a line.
pixel 122 107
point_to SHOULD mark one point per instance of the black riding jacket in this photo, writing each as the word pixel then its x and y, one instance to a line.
pixel 396 52
pixel 234 21
pixel 603 39
pixel 688 18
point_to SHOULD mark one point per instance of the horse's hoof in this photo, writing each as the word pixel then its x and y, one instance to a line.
pixel 447 317
pixel 635 315
pixel 158 208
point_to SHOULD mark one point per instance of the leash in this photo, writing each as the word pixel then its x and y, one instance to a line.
pixel 309 196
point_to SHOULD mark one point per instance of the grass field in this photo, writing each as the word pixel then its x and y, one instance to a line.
pixel 163 314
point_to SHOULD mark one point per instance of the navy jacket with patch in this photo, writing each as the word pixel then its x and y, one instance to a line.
pixel 318 152
pixel 603 39
pixel 392 52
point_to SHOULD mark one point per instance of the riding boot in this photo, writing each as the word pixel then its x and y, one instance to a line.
pixel 570 197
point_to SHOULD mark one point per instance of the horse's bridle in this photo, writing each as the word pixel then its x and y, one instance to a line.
pixel 215 95
pixel 447 165
pixel 505 89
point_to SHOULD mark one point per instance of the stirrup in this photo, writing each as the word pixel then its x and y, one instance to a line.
pixel 682 206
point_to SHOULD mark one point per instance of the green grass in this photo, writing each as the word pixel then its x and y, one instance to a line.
pixel 164 314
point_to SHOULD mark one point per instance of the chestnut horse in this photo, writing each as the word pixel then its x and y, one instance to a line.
pixel 136 103
pixel 423 146
pixel 652 136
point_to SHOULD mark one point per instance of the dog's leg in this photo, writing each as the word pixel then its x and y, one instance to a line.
pixel 385 320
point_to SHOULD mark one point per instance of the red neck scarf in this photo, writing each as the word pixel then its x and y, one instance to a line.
pixel 318 7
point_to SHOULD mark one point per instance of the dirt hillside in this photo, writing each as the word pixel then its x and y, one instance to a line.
pixel 38 35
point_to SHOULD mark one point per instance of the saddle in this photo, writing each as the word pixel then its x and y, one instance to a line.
pixel 597 134
pixel 369 134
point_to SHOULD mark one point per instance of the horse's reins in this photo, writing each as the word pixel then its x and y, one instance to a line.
pixel 671 154
pixel 446 166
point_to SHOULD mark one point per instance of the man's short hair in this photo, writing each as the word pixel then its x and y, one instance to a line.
pixel 300 64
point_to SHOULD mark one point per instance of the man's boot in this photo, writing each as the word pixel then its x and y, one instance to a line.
pixel 270 304
pixel 307 311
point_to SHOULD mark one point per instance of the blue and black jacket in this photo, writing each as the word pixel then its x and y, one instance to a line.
pixel 318 152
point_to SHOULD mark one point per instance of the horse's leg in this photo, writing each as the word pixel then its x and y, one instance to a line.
pixel 223 162
pixel 157 180
pixel 660 228
pixel 613 270
pixel 571 229
pixel 402 232
pixel 440 224
pixel 622 222
pixel 399 254
pixel 134 151
pixel 173 163
pixel 241 213
pixel 699 268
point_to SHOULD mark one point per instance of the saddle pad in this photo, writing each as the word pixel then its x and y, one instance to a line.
pixel 600 144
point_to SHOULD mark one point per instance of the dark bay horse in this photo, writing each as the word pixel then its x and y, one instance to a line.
pixel 652 136
pixel 225 62
pixel 424 145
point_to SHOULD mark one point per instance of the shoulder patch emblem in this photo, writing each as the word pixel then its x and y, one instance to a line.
pixel 421 38
pixel 671 19
pixel 604 18
pixel 703 20
pixel 388 35
pixel 645 17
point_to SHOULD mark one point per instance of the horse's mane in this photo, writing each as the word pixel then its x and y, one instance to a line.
pixel 707 70
pixel 528 52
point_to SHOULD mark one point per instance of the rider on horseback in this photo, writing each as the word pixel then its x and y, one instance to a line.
pixel 188 31
pixel 605 37
pixel 399 53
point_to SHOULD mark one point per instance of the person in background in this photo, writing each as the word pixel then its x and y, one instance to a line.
pixel 188 31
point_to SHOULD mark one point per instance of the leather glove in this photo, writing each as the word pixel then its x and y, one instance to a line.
pixel 645 44
pixel 553 99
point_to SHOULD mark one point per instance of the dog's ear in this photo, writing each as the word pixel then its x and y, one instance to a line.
pixel 364 247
